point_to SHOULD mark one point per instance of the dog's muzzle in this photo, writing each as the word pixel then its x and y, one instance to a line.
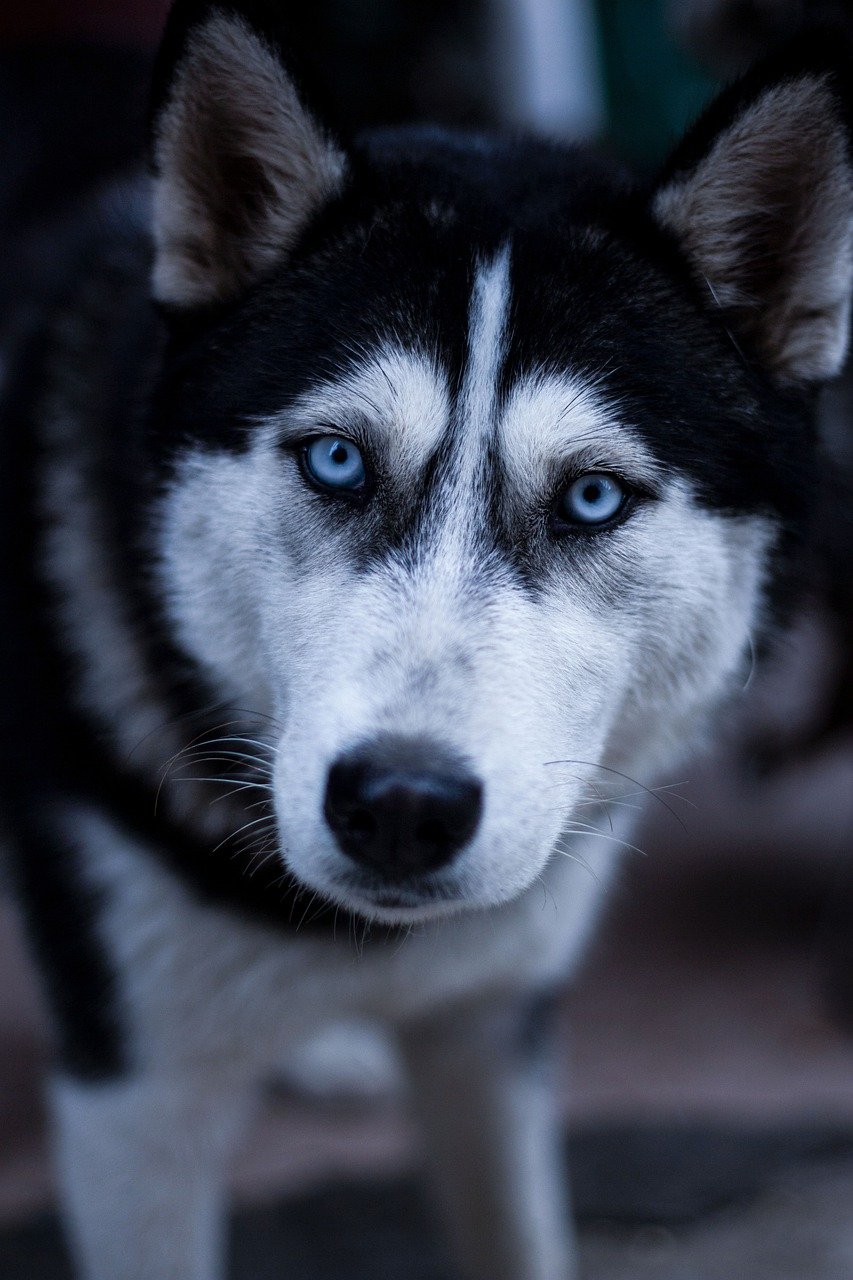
pixel 401 808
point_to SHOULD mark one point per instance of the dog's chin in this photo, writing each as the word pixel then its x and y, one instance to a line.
pixel 395 908
pixel 385 903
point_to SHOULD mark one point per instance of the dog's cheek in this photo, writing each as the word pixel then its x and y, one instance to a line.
pixel 251 582
pixel 210 528
pixel 698 606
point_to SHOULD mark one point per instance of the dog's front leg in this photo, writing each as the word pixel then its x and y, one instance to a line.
pixel 142 1166
pixel 481 1085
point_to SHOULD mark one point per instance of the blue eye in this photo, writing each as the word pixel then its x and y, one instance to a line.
pixel 593 499
pixel 335 463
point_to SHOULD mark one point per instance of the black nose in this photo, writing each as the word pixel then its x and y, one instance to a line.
pixel 402 807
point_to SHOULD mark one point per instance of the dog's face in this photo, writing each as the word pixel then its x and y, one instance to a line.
pixel 475 495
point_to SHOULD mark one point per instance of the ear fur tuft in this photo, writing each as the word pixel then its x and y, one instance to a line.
pixel 760 198
pixel 240 164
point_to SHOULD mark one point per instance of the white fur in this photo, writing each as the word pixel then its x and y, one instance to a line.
pixel 552 418
pixel 115 683
pixel 494 1139
pixel 212 1005
pixel 444 643
pixel 202 988
pixel 404 395
pixel 490 301
pixel 141 1166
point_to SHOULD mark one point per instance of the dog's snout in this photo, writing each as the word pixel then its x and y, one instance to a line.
pixel 402 808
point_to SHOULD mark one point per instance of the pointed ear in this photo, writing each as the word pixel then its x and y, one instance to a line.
pixel 240 165
pixel 760 197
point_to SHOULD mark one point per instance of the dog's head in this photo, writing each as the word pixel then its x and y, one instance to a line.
pixel 479 462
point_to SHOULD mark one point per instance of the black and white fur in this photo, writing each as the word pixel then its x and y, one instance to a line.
pixel 195 634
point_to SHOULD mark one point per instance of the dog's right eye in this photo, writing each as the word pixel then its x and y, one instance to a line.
pixel 334 464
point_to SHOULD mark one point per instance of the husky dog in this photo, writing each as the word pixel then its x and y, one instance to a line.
pixel 443 480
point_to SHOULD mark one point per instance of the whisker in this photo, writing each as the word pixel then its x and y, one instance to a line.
pixel 204 742
pixel 241 786
pixel 604 835
pixel 623 804
pixel 265 856
pixel 311 902
pixel 211 709
pixel 256 804
pixel 233 835
pixel 201 756
pixel 251 836
pixel 564 853
pixel 627 778
pixel 237 739
pixel 546 892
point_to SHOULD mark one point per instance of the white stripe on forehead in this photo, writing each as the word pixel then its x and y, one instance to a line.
pixel 487 322
pixel 458 511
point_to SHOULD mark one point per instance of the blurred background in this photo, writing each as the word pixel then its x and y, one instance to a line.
pixel 707 1045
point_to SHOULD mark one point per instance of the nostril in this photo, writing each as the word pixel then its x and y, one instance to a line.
pixel 361 823
pixel 402 807
pixel 430 831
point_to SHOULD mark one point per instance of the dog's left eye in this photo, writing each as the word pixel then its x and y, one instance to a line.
pixel 593 499
pixel 333 462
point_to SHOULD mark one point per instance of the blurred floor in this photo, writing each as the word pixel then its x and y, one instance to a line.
pixel 798 1229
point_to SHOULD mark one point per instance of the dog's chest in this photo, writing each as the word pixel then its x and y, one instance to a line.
pixel 199 984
